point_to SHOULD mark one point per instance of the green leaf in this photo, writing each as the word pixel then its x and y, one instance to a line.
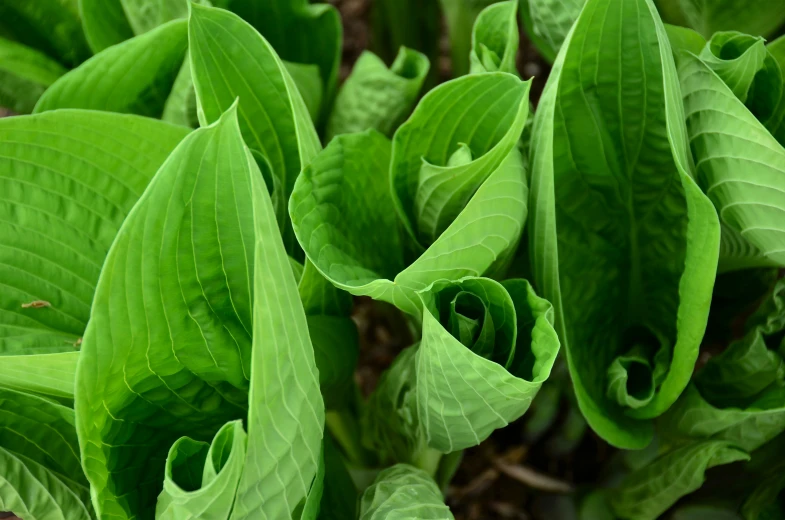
pixel 547 23
pixel 345 220
pixel 180 106
pixel 765 502
pixel 103 81
pixel 201 479
pixel 300 32
pixel 751 207
pixel 710 16
pixel 146 15
pixel 684 39
pixel 104 23
pixel 51 26
pixel 647 493
pixel 469 384
pixel 495 39
pixel 403 492
pixel 309 84
pixel 24 75
pixel 340 497
pixel 42 477
pixel 374 96
pixel 623 243
pixel 68 180
pixel 215 327
pixel 229 59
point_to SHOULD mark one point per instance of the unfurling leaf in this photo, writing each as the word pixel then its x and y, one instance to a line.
pixel 403 492
pixel 623 242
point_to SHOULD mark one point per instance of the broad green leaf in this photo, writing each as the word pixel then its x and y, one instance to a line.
pixel 201 479
pixel 486 349
pixel 647 493
pixel 459 16
pixel 46 374
pixel 374 96
pixel 41 476
pixel 403 492
pixel 756 17
pixel 229 59
pixel 68 179
pixel 104 23
pixel 213 328
pixel 738 395
pixel 180 106
pixel 300 32
pixel 623 243
pixel 103 81
pixel 51 26
pixel 495 39
pixel 547 23
pixel 24 75
pixel 726 139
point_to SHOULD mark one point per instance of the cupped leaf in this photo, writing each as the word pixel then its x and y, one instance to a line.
pixel 748 68
pixel 213 327
pixel 68 180
pixel 104 23
pixel 104 83
pixel 750 205
pixel 51 26
pixel 548 22
pixel 201 479
pixel 229 59
pixel 759 18
pixel 495 39
pixel 344 217
pixel 648 492
pixel 403 492
pixel 24 75
pixel 460 15
pixel 300 32
pixel 623 242
pixel 376 97
pixel 42 477
pixel 486 349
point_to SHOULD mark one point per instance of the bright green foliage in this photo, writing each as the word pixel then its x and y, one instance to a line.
pixel 460 16
pixel 649 492
pixel 374 96
pixel 624 244
pixel 403 492
pixel 103 82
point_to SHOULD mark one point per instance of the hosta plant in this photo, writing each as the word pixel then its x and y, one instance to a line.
pixel 195 218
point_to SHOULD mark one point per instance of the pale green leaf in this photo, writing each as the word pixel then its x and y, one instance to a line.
pixel 46 374
pixel 647 493
pixel 623 243
pixel 377 97
pixel 495 39
pixel 684 39
pixel 214 327
pixel 403 492
pixel 103 82
pixel 727 139
pixel 229 59
pixel 24 75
